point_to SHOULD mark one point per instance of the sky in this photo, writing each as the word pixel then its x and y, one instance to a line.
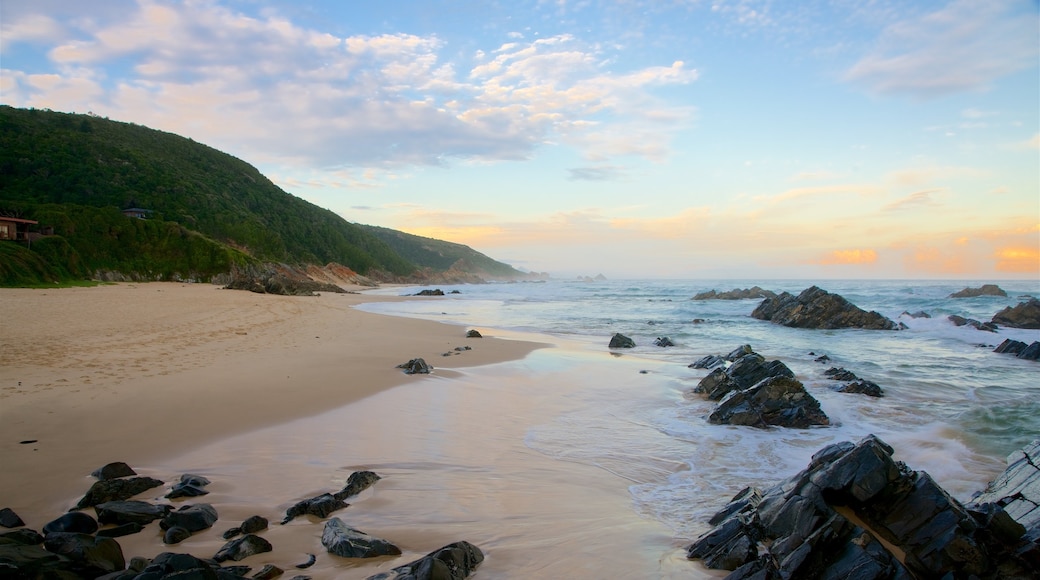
pixel 756 139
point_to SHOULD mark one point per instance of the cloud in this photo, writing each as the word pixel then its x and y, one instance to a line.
pixel 965 46
pixel 596 173
pixel 847 257
pixel 913 201
pixel 1018 259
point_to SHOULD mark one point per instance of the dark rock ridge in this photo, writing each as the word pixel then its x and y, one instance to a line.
pixel 125 512
pixel 113 470
pixel 452 562
pixel 346 542
pixel 242 548
pixel 854 512
pixel 416 366
pixel 1019 349
pixel 984 290
pixel 747 368
pixel 619 340
pixel 961 321
pixel 9 519
pixel 437 292
pixel 115 490
pixel 711 361
pixel 776 401
pixel 323 505
pixel 853 384
pixel 817 308
pixel 736 294
pixel 1017 490
pixel 281 280
pixel 1022 315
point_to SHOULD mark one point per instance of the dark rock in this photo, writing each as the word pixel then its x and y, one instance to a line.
pixel 745 371
pixel 619 340
pixel 416 366
pixel 180 490
pixel 663 341
pixel 251 525
pixel 776 401
pixel 984 290
pixel 1031 352
pixel 437 292
pixel 77 522
pixel 817 308
pixel 281 281
pixel 358 482
pixel 23 536
pixel 840 374
pixel 854 384
pixel 311 559
pixel 170 565
pixel 121 530
pixel 708 362
pixel 18 561
pixel 961 321
pixel 176 535
pixel 346 542
pixel 320 506
pixel 268 572
pixel 113 470
pixel 822 359
pixel 1022 315
pixel 739 352
pixel 193 518
pixel 122 512
pixel 736 294
pixel 116 490
pixel 1017 490
pixel 829 520
pixel 473 334
pixel 92 556
pixel 9 519
pixel 1010 346
pixel 242 548
pixel 918 314
pixel 452 562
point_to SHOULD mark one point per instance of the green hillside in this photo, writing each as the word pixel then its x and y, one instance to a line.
pixel 208 211
pixel 440 255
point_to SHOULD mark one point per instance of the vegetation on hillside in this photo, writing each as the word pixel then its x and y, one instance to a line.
pixel 441 255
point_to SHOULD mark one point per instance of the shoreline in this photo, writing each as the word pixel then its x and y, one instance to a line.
pixel 137 372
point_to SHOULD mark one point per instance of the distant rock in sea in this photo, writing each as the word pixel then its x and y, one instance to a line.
pixel 817 308
pixel 619 340
pixel 984 290
pixel 736 294
pixel 1022 315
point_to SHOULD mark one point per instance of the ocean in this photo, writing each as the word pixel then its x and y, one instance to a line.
pixel 579 461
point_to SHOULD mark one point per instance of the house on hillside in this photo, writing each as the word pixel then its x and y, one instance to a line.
pixel 12 228
pixel 137 212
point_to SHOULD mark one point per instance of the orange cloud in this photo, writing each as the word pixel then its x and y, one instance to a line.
pixel 933 261
pixel 842 257
pixel 1017 259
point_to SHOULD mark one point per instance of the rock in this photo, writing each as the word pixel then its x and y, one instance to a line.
pixel 91 556
pixel 268 572
pixel 817 308
pixel 189 486
pixel 736 294
pixel 176 535
pixel 708 362
pixel 663 341
pixel 122 512
pixel 311 559
pixel 23 536
pixel 1022 315
pixel 251 525
pixel 113 471
pixel 193 518
pixel 776 401
pixel 452 562
pixel 116 490
pixel 918 314
pixel 829 520
pixel 19 561
pixel 1019 349
pixel 961 321
pixel 358 482
pixel 437 292
pixel 77 522
pixel 854 384
pixel 1017 490
pixel 170 565
pixel 121 530
pixel 320 506
pixel 242 548
pixel 745 371
pixel 415 366
pixel 346 542
pixel 1031 352
pixel 9 519
pixel 984 290
pixel 473 334
pixel 619 340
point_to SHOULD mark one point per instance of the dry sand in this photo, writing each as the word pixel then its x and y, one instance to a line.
pixel 131 372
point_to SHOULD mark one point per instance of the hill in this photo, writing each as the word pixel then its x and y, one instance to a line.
pixel 207 212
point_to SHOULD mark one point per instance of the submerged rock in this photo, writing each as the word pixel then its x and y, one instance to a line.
pixel 1022 315
pixel 736 294
pixel 116 490
pixel 346 542
pixel 663 341
pixel 817 308
pixel 838 517
pixel 1019 349
pixel 242 548
pixel 961 321
pixel 853 384
pixel 358 482
pixel 452 562
pixel 416 366
pixel 113 470
pixel 319 506
pixel 984 290
pixel 778 401
pixel 619 340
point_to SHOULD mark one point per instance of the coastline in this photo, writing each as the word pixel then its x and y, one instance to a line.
pixel 138 371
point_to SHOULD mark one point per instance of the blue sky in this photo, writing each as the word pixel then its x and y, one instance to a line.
pixel 688 138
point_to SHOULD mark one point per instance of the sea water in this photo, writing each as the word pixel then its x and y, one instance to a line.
pixel 952 407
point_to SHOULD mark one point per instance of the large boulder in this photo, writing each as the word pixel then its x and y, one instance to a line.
pixel 1017 490
pixel 736 294
pixel 817 308
pixel 984 290
pixel 193 518
pixel 358 482
pixel 746 369
pixel 319 506
pixel 778 401
pixel 116 490
pixel 91 556
pixel 1019 349
pixel 113 470
pixel 9 519
pixel 619 340
pixel 124 512
pixel 77 522
pixel 452 562
pixel 344 541
pixel 242 548
pixel 1022 315
pixel 855 512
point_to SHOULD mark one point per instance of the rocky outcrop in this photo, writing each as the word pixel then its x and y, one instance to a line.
pixel 747 368
pixel 278 279
pixel 1022 315
pixel 416 366
pixel 346 542
pixel 116 490
pixel 242 548
pixel 1017 490
pixel 124 512
pixel 113 470
pixel 854 512
pixel 736 294
pixel 777 401
pixel 452 562
pixel 853 384
pixel 817 308
pixel 1019 349
pixel 619 340
pixel 984 290
pixel 428 292
pixel 961 321
pixel 323 505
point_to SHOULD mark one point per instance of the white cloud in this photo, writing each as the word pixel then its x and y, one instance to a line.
pixel 965 46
